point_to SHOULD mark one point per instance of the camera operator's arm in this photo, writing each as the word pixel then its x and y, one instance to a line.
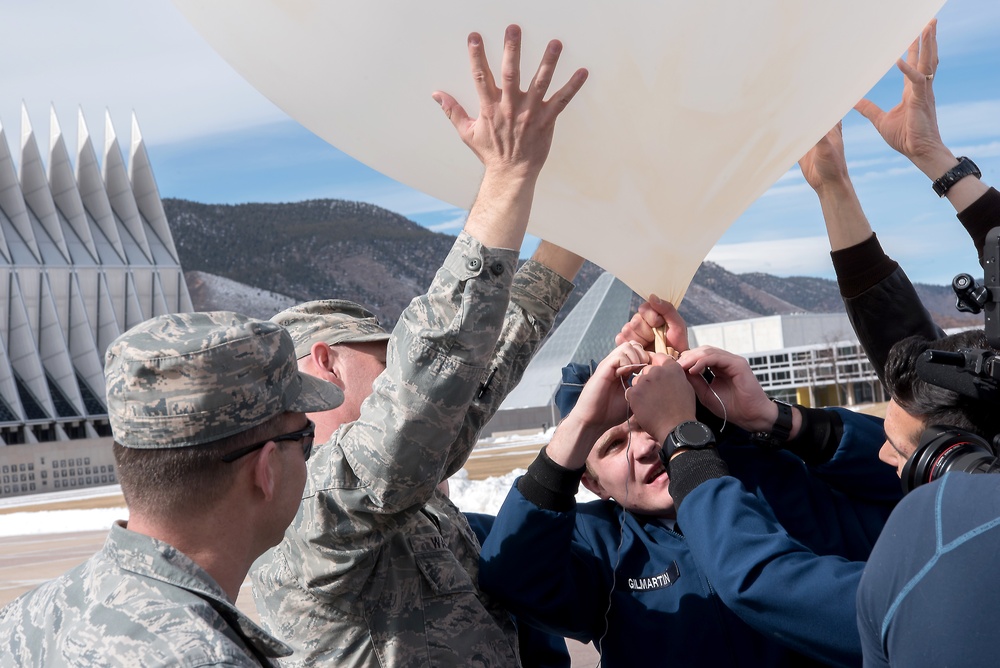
pixel 911 127
pixel 880 300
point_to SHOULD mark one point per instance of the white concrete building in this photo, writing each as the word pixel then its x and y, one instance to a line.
pixel 812 359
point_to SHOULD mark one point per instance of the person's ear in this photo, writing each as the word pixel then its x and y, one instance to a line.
pixel 265 471
pixel 594 486
pixel 327 361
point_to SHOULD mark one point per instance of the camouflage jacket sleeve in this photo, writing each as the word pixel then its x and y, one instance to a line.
pixel 380 470
pixel 536 297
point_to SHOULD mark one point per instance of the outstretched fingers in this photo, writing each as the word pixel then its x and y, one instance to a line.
pixel 510 68
pixel 513 131
pixel 482 75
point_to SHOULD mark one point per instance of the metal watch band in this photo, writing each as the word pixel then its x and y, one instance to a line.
pixel 965 167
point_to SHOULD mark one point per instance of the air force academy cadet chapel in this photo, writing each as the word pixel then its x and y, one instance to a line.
pixel 86 253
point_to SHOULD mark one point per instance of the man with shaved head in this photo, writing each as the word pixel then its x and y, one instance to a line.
pixel 379 568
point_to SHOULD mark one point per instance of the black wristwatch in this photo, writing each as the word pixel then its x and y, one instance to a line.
pixel 782 429
pixel 691 434
pixel 965 167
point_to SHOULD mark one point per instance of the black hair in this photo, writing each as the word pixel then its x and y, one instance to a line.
pixel 933 404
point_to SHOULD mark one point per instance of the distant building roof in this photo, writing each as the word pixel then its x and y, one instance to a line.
pixel 587 333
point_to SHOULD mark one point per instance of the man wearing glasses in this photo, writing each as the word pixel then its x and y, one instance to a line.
pixel 207 411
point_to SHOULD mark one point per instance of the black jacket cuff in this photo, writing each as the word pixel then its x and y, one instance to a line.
pixel 861 266
pixel 689 469
pixel 818 437
pixel 549 485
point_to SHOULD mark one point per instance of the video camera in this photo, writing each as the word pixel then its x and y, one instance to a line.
pixel 974 373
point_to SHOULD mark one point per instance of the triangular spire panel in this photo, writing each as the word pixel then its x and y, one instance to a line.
pixel 120 189
pixel 25 358
pixel 54 351
pixel 134 313
pixel 82 344
pixel 35 186
pixel 8 388
pixel 159 300
pixel 12 201
pixel 147 196
pixel 65 193
pixel 91 187
pixel 108 327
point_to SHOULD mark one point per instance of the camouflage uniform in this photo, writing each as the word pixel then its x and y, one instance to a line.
pixel 138 602
pixel 175 381
pixel 378 569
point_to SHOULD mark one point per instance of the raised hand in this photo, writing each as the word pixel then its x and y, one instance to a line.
pixel 514 128
pixel 911 126
pixel 825 164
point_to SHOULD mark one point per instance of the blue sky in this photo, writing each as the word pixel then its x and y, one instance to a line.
pixel 213 138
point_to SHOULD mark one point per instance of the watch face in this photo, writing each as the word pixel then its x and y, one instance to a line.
pixel 694 434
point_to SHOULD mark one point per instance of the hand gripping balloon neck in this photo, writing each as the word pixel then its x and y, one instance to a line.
pixel 660 342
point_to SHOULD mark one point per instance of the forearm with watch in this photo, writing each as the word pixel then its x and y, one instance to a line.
pixel 948 176
pixel 691 458
pixel 959 179
pixel 812 434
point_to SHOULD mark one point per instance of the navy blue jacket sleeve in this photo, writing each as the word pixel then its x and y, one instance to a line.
pixel 787 555
pixel 773 582
pixel 880 300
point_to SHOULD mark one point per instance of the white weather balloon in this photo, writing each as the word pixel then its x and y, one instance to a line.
pixel 691 111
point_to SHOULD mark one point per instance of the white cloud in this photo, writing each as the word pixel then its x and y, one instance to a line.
pixel 804 256
pixel 453 225
pixel 990 150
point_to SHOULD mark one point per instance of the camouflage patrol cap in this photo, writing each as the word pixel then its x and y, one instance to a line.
pixel 186 379
pixel 331 321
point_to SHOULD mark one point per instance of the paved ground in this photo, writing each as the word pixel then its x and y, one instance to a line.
pixel 26 561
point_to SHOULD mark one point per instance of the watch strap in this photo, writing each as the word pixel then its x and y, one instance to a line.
pixel 781 430
pixel 965 167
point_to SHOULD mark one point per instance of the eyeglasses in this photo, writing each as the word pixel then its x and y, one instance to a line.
pixel 305 435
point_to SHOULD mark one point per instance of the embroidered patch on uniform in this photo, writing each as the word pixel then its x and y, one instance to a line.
pixel 664 579
pixel 427 543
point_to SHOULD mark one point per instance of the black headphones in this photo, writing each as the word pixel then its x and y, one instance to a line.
pixel 944 449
